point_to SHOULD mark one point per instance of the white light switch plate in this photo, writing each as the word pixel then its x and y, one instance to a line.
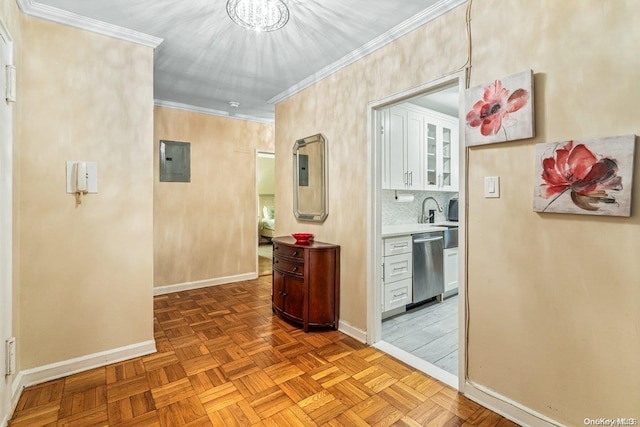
pixel 491 187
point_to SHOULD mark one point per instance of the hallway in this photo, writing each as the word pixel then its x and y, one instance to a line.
pixel 224 359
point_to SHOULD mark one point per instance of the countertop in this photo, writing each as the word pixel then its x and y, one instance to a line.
pixel 404 229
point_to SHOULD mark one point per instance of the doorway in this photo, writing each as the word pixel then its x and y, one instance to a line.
pixel 428 334
pixel 266 201
pixel 6 225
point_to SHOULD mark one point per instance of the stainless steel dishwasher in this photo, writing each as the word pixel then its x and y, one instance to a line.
pixel 428 265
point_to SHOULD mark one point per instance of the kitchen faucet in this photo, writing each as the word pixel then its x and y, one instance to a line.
pixel 424 219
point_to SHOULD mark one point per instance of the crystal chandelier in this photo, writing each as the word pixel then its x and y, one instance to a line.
pixel 258 15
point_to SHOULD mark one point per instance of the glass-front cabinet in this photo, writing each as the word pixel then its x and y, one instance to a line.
pixel 441 152
pixel 420 149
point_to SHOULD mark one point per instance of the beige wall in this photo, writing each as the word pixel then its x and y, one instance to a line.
pixel 207 229
pixel 554 299
pixel 337 108
pixel 85 271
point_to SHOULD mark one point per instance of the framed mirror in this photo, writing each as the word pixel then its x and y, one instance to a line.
pixel 310 179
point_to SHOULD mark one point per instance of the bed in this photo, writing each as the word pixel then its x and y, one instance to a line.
pixel 267 225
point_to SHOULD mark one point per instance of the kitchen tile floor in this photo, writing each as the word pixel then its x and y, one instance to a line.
pixel 429 332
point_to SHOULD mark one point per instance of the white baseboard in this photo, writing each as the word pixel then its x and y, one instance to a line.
pixel 507 408
pixel 352 331
pixel 57 370
pixel 169 289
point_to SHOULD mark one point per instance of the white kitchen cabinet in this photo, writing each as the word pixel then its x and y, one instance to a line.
pixel 441 152
pixel 420 149
pixel 450 269
pixel 403 146
pixel 397 294
pixel 398 245
pixel 398 267
pixel 397 287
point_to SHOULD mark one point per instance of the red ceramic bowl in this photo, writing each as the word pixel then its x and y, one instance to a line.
pixel 302 237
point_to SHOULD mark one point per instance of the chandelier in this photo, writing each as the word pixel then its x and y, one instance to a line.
pixel 258 15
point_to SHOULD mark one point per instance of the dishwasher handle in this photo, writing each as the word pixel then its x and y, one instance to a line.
pixel 432 239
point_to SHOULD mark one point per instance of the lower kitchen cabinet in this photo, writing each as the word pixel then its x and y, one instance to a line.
pixel 397 287
pixel 397 294
pixel 450 269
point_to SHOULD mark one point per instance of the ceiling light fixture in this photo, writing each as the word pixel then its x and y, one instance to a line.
pixel 258 15
pixel 234 104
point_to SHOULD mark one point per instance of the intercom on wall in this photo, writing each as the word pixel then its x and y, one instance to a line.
pixel 82 178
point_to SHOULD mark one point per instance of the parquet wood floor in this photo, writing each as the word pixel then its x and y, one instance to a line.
pixel 225 360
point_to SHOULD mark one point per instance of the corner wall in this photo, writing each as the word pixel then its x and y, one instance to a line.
pixel 206 229
pixel 85 271
pixel 554 299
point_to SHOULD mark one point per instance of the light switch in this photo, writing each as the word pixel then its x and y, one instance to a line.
pixel 491 187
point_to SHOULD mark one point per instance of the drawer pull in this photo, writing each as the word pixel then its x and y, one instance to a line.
pixel 295 253
pixel 284 294
pixel 399 269
pixel 275 248
pixel 401 246
pixel 275 261
pixel 294 269
pixel 401 295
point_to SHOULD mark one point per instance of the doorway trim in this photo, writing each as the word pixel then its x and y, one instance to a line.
pixel 374 226
pixel 7 395
pixel 259 153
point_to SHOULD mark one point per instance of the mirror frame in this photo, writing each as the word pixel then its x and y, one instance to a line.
pixel 324 211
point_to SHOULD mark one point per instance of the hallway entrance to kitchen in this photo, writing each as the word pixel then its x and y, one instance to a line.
pixel 416 297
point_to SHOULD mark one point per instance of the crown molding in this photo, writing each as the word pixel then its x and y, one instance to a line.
pixel 392 35
pixel 33 8
pixel 210 111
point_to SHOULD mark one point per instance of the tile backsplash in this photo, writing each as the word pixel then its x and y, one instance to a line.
pixel 394 212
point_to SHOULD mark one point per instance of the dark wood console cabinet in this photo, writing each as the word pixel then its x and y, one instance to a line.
pixel 306 282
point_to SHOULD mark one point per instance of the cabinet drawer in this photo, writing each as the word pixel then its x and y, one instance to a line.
pixel 398 245
pixel 397 294
pixel 398 267
pixel 288 251
pixel 290 266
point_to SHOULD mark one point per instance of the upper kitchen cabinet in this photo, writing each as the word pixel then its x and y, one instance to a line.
pixel 441 152
pixel 403 149
pixel 420 149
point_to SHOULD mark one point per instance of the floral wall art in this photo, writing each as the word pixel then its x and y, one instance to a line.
pixel 592 177
pixel 500 111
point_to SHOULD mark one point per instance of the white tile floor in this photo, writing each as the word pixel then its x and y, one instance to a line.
pixel 429 332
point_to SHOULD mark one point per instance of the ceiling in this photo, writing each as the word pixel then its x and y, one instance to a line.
pixel 445 101
pixel 205 60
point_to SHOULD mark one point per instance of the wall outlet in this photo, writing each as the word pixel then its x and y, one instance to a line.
pixel 10 356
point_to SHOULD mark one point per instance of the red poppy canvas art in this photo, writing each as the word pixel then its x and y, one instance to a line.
pixel 500 111
pixel 592 177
